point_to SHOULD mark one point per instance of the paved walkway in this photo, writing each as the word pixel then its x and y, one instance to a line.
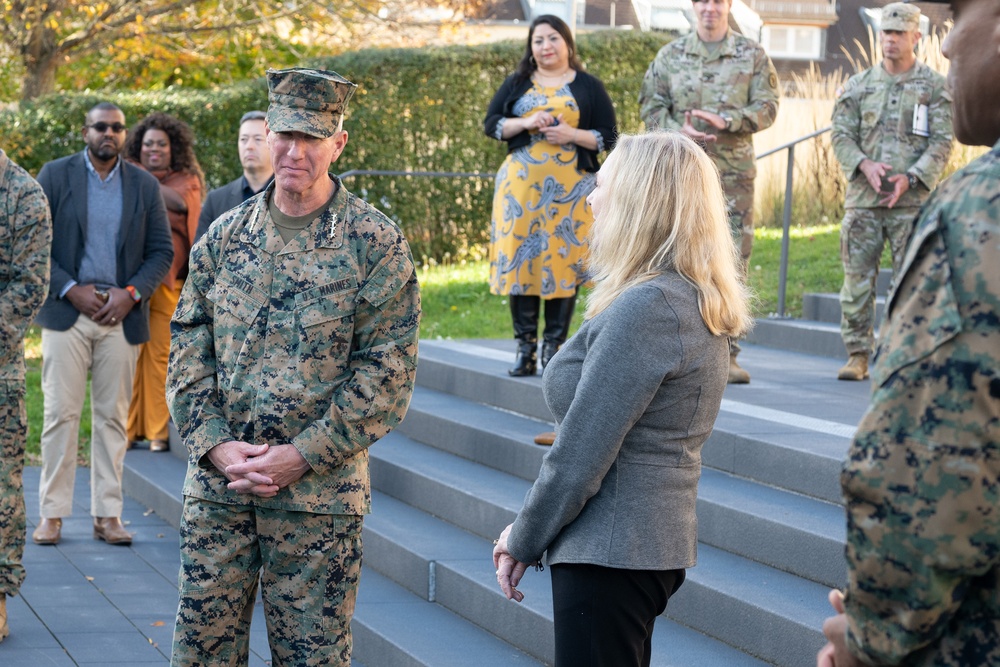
pixel 85 602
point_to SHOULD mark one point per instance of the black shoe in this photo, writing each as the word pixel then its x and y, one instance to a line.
pixel 526 360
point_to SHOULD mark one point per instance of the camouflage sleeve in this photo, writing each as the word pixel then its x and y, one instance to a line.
pixel 764 95
pixel 922 479
pixel 192 383
pixel 30 237
pixel 845 134
pixel 655 102
pixel 929 166
pixel 383 365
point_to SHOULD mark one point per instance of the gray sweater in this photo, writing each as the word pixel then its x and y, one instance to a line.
pixel 635 393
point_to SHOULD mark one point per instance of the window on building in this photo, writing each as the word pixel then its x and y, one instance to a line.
pixel 794 42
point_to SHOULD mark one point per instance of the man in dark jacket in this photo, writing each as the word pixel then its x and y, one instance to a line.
pixel 111 247
pixel 255 156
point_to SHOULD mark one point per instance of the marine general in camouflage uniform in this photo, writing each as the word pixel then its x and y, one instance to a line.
pixel 892 135
pixel 922 478
pixel 293 351
pixel 719 88
pixel 25 240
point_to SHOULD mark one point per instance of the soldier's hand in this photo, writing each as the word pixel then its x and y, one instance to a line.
pixel 232 452
pixel 874 172
pixel 85 299
pixel 689 129
pixel 264 475
pixel 900 184
pixel 713 119
pixel 836 653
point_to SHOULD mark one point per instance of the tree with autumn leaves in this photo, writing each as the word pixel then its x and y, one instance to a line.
pixel 47 45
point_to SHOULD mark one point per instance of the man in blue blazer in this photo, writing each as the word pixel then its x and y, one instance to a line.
pixel 111 248
pixel 255 156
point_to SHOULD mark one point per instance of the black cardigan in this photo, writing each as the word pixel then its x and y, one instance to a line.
pixel 596 113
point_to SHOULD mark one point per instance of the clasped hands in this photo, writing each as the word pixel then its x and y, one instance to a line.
pixel 106 308
pixel 875 171
pixel 554 128
pixel 261 470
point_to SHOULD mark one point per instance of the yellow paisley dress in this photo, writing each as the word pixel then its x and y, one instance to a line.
pixel 541 218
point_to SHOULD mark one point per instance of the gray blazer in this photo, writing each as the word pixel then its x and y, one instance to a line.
pixel 145 249
pixel 635 393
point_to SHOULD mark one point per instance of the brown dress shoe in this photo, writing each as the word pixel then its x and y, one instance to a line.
pixel 158 445
pixel 111 530
pixel 4 629
pixel 546 438
pixel 49 531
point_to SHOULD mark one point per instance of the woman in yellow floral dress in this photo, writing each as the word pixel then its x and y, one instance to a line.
pixel 555 119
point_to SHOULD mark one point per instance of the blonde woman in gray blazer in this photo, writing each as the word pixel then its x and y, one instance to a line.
pixel 635 393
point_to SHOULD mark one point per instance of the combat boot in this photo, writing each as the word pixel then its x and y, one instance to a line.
pixel 856 367
pixel 737 375
pixel 4 630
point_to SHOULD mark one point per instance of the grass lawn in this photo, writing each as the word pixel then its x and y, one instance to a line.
pixel 457 304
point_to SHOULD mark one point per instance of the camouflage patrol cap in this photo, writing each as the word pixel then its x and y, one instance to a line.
pixel 307 100
pixel 900 16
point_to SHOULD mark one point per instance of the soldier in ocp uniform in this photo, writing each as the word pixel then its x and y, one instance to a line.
pixel 25 240
pixel 294 350
pixel 892 136
pixel 719 88
pixel 922 477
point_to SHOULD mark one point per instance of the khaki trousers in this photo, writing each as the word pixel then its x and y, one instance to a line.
pixel 67 356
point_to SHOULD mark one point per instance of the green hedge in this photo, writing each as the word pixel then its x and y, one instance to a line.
pixel 415 110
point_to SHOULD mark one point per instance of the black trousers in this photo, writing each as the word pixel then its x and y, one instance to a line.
pixel 604 616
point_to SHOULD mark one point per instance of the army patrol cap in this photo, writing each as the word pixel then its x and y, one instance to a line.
pixel 304 100
pixel 900 16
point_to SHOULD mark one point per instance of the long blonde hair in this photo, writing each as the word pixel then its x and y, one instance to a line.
pixel 664 210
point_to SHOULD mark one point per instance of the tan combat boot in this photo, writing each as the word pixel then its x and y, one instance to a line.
pixel 737 375
pixel 856 367
pixel 4 630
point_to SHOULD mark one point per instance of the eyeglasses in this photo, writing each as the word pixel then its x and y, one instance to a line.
pixel 102 127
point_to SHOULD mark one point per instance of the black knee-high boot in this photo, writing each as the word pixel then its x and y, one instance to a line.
pixel 558 315
pixel 524 313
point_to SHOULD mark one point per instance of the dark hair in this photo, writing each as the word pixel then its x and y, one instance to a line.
pixel 253 115
pixel 528 65
pixel 181 137
pixel 103 106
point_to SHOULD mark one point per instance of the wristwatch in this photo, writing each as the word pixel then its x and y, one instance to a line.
pixel 912 180
pixel 134 293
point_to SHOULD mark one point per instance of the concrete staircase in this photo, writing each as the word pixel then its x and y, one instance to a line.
pixel 455 473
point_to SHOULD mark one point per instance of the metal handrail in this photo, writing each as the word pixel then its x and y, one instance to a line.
pixel 786 215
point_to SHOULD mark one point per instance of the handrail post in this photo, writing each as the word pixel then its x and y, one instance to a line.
pixel 786 225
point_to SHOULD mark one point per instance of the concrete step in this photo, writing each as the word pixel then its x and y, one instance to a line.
pixel 807 336
pixel 496 438
pixel 443 564
pixel 826 308
pixel 392 626
pixel 156 480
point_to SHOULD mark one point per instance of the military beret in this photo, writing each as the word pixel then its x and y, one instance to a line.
pixel 900 16
pixel 304 100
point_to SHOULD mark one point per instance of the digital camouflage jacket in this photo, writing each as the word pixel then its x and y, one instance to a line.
pixel 922 477
pixel 874 118
pixel 739 82
pixel 313 343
